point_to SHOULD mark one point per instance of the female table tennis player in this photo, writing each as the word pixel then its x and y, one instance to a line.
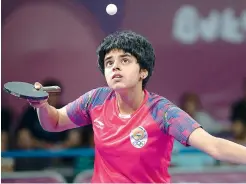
pixel 134 129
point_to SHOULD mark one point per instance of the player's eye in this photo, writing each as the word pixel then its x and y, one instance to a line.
pixel 125 60
pixel 109 63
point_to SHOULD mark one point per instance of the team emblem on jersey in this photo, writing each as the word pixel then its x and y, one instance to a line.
pixel 138 137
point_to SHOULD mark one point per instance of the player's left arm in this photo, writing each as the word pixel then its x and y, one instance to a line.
pixel 188 132
pixel 218 148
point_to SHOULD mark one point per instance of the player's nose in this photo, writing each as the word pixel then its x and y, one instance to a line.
pixel 116 66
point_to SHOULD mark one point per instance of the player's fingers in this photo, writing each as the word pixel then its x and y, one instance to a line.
pixel 37 85
pixel 37 103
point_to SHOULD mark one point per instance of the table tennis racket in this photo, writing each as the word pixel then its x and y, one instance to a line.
pixel 28 91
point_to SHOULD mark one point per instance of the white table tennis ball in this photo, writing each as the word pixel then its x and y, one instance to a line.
pixel 111 9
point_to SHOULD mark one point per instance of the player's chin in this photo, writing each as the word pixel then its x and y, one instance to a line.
pixel 118 86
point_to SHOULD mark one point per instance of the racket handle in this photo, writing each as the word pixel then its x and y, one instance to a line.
pixel 52 89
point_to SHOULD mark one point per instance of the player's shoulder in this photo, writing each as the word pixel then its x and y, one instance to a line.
pixel 102 90
pixel 100 95
pixel 158 102
pixel 158 106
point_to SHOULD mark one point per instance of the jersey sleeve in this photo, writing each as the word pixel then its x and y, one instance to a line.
pixel 178 123
pixel 79 110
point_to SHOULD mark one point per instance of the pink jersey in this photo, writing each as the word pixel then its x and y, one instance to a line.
pixel 134 148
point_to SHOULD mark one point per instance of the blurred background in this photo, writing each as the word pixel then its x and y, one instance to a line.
pixel 200 66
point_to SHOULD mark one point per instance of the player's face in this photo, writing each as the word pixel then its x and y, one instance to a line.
pixel 122 70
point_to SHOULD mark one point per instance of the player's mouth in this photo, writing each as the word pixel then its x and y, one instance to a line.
pixel 117 76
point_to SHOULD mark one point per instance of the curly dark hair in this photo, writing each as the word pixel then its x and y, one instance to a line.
pixel 130 42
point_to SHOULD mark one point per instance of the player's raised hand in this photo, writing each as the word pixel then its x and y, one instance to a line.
pixel 37 103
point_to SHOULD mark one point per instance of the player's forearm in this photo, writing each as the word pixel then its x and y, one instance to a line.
pixel 230 151
pixel 48 117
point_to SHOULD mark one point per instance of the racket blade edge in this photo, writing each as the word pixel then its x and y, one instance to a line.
pixel 11 92
pixel 10 87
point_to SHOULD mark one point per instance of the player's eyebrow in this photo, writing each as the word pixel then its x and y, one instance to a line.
pixel 125 54
pixel 122 55
pixel 108 57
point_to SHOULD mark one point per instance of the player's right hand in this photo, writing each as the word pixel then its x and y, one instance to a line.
pixel 38 103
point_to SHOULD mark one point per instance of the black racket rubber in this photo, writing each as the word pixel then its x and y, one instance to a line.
pixel 27 91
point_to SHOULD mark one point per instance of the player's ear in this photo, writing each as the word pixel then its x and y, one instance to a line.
pixel 144 73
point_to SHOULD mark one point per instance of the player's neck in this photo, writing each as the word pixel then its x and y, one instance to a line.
pixel 130 100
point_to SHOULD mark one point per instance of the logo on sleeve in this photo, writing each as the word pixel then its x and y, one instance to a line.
pixel 138 137
pixel 98 124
